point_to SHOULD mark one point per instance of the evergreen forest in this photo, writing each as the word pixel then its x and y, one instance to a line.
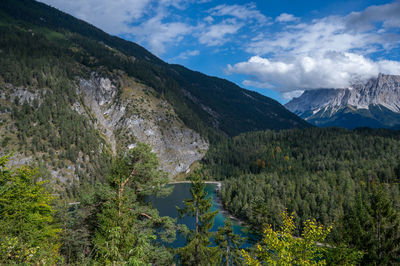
pixel 347 178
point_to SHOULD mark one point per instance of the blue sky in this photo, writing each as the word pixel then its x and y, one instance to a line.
pixel 278 48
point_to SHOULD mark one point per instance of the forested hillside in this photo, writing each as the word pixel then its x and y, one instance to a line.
pixel 335 175
pixel 202 102
pixel 72 95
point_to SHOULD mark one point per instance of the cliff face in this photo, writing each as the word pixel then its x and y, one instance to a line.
pixel 124 112
pixel 134 114
pixel 375 104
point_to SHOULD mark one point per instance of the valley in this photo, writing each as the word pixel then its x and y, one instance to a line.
pixel 111 156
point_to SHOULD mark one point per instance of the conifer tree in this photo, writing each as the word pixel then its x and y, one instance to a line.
pixel 126 230
pixel 197 250
pixel 229 244
pixel 373 226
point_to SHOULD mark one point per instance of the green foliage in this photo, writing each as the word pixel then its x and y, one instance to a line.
pixel 316 173
pixel 197 250
pixel 281 247
pixel 373 226
pixel 228 243
pixel 48 124
pixel 126 228
pixel 341 254
pixel 27 229
pixel 117 225
pixel 313 172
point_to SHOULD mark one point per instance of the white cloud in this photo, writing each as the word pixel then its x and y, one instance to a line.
pixel 209 19
pixel 158 34
pixel 328 34
pixel 285 17
pixel 292 94
pixel 216 34
pixel 157 25
pixel 226 20
pixel 328 70
pixel 242 12
pixel 187 54
pixel 330 52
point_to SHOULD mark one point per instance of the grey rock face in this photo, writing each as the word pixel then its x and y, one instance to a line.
pixel 132 114
pixel 21 94
pixel 383 91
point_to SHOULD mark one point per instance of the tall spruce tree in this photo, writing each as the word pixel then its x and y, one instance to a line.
pixel 198 250
pixel 229 244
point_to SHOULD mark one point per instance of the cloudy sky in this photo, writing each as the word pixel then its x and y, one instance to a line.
pixel 278 48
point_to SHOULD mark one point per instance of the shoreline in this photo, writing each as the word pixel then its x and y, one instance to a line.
pixel 224 211
pixel 219 183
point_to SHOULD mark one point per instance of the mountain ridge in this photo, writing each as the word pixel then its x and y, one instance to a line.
pixel 375 104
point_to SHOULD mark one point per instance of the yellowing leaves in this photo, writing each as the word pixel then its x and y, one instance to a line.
pixel 283 248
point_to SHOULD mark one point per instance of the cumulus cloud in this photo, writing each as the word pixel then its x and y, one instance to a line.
pixel 327 34
pixel 328 70
pixel 285 17
pixel 331 52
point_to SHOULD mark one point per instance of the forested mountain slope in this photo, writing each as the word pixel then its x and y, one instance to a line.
pixel 71 94
pixel 212 99
pixel 335 175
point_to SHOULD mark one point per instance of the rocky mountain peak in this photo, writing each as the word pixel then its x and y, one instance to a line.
pixel 382 92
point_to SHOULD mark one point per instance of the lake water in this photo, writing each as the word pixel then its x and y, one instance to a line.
pixel 167 207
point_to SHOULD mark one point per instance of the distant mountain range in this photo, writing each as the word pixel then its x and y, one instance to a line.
pixel 375 104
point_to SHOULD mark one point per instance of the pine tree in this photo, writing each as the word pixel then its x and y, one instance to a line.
pixel 197 250
pixel 229 244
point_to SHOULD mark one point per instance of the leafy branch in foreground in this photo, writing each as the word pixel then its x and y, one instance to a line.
pixel 281 247
pixel 28 233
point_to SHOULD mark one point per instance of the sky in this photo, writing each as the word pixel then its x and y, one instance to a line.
pixel 277 48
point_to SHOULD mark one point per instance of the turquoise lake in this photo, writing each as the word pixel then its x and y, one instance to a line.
pixel 167 207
